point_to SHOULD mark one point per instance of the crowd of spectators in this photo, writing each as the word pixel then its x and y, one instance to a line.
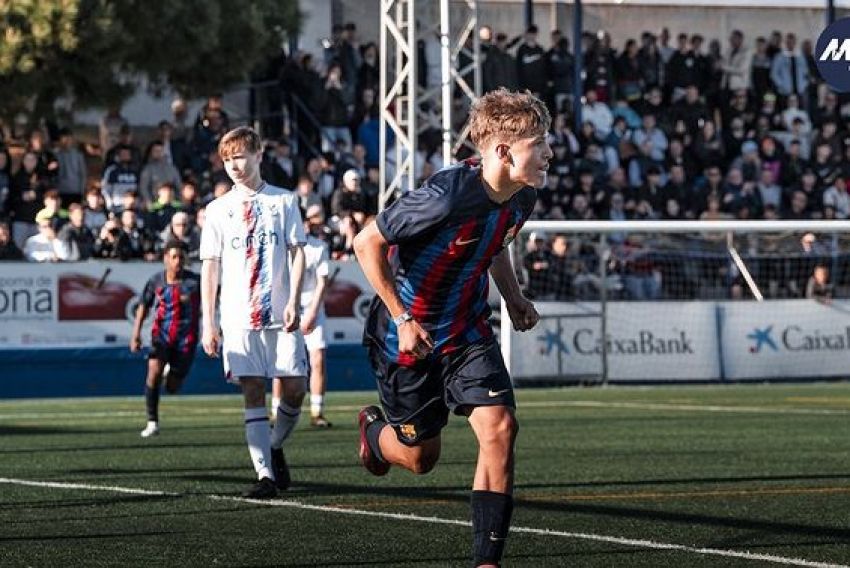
pixel 669 129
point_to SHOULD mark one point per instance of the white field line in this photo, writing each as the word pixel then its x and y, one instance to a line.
pixel 638 543
pixel 711 408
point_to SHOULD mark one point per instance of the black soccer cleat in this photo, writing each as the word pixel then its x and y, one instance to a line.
pixel 263 489
pixel 370 461
pixel 282 479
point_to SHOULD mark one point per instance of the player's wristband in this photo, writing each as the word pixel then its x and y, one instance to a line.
pixel 402 317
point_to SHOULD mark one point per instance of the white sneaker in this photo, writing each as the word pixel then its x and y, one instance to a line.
pixel 152 429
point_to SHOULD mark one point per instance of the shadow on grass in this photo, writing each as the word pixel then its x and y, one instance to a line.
pixel 77 536
pixel 683 481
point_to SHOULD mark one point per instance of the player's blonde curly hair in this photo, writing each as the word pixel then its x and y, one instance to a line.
pixel 503 116
pixel 241 139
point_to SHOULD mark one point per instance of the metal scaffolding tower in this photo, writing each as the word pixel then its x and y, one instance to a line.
pixel 408 109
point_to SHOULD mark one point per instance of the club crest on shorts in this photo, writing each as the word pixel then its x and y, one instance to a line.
pixel 408 431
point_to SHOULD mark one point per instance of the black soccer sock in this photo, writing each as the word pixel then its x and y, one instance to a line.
pixel 491 519
pixel 152 403
pixel 373 435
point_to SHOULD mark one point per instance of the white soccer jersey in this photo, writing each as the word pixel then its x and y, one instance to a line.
pixel 252 235
pixel 315 265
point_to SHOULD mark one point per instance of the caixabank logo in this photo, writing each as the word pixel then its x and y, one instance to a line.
pixel 832 55
pixel 798 338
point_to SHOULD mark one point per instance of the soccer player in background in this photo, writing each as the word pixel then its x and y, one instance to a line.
pixel 313 317
pixel 174 297
pixel 427 334
pixel 251 235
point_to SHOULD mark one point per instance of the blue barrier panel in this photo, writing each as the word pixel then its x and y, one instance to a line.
pixel 117 372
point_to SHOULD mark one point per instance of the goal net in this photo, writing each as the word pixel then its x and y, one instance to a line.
pixel 654 301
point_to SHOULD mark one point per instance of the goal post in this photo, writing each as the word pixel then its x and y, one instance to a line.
pixel 704 301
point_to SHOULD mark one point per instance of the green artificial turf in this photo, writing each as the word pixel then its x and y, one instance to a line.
pixel 752 469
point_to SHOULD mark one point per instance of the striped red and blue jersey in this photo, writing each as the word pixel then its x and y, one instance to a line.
pixel 176 310
pixel 445 235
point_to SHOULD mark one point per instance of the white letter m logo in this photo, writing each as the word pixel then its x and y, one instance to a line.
pixel 836 53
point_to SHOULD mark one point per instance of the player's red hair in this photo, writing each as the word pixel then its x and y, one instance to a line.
pixel 502 116
pixel 241 139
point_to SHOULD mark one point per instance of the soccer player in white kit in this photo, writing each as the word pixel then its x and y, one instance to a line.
pixel 252 242
pixel 316 281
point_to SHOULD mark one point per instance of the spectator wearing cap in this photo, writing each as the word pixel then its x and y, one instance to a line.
pixel 532 72
pixel 156 172
pixel 77 239
pixel 349 210
pixel 789 71
pixel 348 200
pixel 499 68
pixel 72 176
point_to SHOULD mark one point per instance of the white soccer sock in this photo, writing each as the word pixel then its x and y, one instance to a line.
pixel 275 406
pixel 257 436
pixel 284 423
pixel 317 404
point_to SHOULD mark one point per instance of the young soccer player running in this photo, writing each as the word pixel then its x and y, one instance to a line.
pixel 251 235
pixel 174 298
pixel 427 334
pixel 316 270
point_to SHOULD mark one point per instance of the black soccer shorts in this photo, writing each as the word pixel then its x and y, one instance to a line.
pixel 417 400
pixel 180 360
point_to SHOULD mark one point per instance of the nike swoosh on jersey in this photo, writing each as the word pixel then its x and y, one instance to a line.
pixel 461 242
pixel 494 394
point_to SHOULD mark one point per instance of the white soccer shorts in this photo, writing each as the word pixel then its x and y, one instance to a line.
pixel 316 339
pixel 263 353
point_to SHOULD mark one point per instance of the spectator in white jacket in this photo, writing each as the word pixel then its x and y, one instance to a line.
pixel 736 64
pixel 597 113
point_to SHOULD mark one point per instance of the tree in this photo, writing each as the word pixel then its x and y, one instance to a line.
pixel 93 53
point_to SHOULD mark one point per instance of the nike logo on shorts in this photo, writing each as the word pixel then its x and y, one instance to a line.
pixel 461 242
pixel 494 394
